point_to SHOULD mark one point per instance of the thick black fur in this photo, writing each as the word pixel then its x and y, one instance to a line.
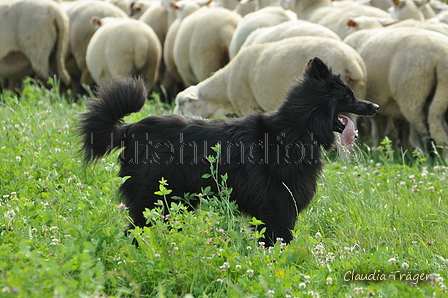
pixel 272 160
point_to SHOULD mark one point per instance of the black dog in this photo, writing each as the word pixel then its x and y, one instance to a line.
pixel 272 160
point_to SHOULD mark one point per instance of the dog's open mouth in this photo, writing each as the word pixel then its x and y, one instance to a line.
pixel 346 128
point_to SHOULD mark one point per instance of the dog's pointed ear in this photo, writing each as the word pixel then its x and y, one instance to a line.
pixel 317 69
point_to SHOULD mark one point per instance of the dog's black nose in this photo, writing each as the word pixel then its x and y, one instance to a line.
pixel 375 107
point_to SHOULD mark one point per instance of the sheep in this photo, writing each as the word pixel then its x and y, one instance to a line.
pixel 381 4
pixel 122 47
pixel 202 43
pixel 268 16
pixel 406 9
pixel 426 10
pixel 363 22
pixel 171 81
pixel 309 10
pixel 407 69
pixel 30 31
pixel 124 5
pixel 229 4
pixel 81 31
pixel 442 17
pixel 334 18
pixel 259 76
pixel 138 7
pixel 245 7
pixel 337 19
pixel 156 16
pixel 183 9
pixel 288 29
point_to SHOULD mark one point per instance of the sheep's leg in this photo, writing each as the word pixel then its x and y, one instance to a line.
pixel 414 138
pixel 411 102
pixel 38 50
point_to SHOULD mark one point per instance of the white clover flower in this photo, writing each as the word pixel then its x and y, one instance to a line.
pixel 318 235
pixel 55 241
pixel 392 261
pixel 329 281
pixel 238 267
pixel 405 266
pixel 302 285
pixel 250 272
pixel 10 214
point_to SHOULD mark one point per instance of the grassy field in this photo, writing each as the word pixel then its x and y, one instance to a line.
pixel 377 227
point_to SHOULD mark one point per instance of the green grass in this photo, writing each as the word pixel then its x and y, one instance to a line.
pixel 61 229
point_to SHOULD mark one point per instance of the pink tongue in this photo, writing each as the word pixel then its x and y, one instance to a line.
pixel 348 134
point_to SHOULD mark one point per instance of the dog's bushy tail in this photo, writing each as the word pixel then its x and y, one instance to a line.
pixel 101 127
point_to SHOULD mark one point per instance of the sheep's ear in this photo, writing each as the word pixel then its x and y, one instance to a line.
pixel 192 95
pixel 317 69
pixel 95 20
pixel 173 5
pixel 352 23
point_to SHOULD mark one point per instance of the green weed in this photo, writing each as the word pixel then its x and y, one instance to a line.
pixel 376 227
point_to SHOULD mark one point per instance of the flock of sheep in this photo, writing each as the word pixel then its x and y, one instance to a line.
pixel 228 56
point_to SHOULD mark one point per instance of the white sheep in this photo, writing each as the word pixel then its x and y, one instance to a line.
pixel 265 17
pixel 138 7
pixel 156 16
pixel 288 29
pixel 334 18
pixel 123 47
pixel 337 19
pixel 81 31
pixel 364 22
pixel 245 7
pixel 34 37
pixel 381 4
pixel 202 43
pixel 183 9
pixel 309 10
pixel 258 77
pixel 406 9
pixel 407 69
pixel 124 5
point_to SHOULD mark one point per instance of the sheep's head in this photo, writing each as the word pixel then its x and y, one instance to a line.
pixel 190 102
